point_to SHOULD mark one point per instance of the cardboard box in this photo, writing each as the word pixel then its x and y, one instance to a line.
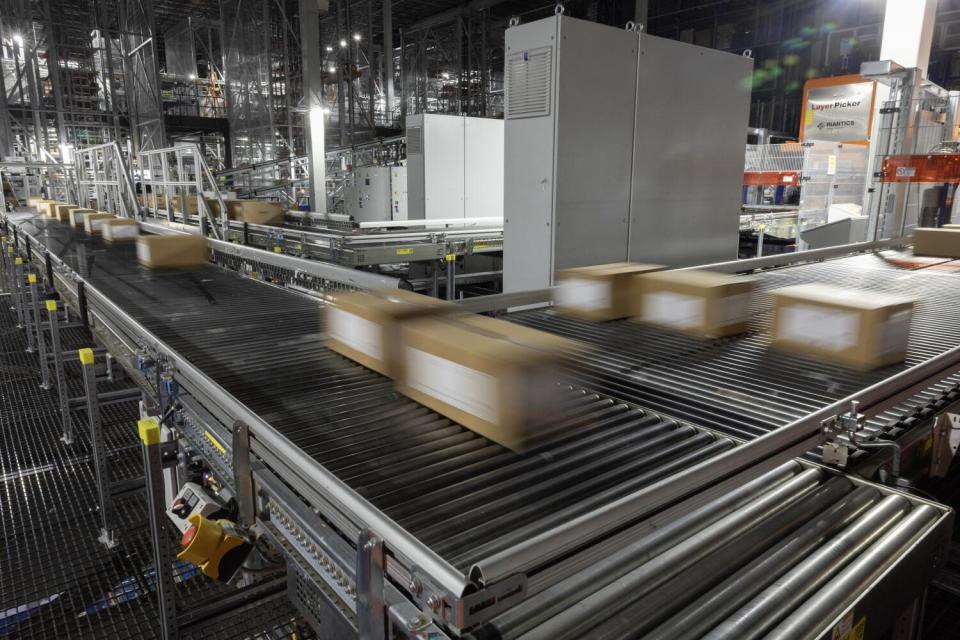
pixel 173 252
pixel 120 230
pixel 62 212
pixel 33 201
pixel 365 326
pixel 47 207
pixel 147 200
pixel 93 222
pixel 950 226
pixel 497 380
pixel 601 292
pixel 936 243
pixel 701 303
pixel 77 216
pixel 192 207
pixel 861 329
pixel 256 211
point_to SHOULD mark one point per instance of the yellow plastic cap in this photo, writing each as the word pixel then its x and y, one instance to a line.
pixel 51 305
pixel 18 261
pixel 149 430
pixel 32 278
pixel 451 257
pixel 10 249
pixel 278 249
pixel 86 356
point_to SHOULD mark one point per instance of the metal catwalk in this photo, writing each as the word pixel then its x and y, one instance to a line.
pixel 57 580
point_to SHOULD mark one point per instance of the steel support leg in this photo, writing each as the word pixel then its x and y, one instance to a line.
pixel 160 526
pixel 27 313
pixel 18 290
pixel 4 266
pixel 371 611
pixel 107 532
pixel 62 391
pixel 41 341
pixel 451 276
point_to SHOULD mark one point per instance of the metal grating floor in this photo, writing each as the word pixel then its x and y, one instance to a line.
pixel 56 580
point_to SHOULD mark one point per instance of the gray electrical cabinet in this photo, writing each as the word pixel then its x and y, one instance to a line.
pixel 369 197
pixel 454 167
pixel 618 146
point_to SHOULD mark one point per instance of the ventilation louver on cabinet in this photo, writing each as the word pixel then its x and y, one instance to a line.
pixel 414 140
pixel 528 83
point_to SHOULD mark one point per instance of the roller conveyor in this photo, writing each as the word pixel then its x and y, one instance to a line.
pixel 629 428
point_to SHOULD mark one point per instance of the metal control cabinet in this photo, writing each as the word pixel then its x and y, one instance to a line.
pixel 454 167
pixel 398 193
pixel 618 146
pixel 369 198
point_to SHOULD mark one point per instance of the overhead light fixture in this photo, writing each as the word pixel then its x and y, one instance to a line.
pixel 18 39
pixel 356 37
pixel 191 77
pixel 333 69
pixel 329 48
pixel 343 43
pixel 445 75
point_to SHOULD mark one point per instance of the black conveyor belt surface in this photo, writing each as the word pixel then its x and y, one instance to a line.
pixel 458 492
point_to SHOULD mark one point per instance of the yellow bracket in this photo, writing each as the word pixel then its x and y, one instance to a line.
pixel 32 278
pixel 86 356
pixel 450 257
pixel 278 249
pixel 51 305
pixel 18 260
pixel 149 431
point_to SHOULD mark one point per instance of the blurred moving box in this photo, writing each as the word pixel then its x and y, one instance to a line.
pixel 256 211
pixel 365 326
pixel 147 200
pixel 950 226
pixel 191 205
pixel 496 378
pixel 701 303
pixel 77 216
pixel 173 252
pixel 936 243
pixel 601 292
pixel 33 201
pixel 62 212
pixel 47 207
pixel 93 222
pixel 862 329
pixel 120 230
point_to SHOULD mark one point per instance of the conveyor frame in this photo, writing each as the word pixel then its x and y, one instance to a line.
pixel 408 561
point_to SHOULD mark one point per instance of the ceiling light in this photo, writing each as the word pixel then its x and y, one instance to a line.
pixel 356 37
pixel 343 43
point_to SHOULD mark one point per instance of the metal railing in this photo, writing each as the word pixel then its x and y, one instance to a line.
pixel 103 180
pixel 173 178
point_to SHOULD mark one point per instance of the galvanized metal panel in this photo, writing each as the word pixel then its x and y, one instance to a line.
pixel 692 106
pixel 443 166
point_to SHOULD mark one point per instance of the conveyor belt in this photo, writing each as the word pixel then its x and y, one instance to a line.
pixel 778 558
pixel 737 385
pixel 457 492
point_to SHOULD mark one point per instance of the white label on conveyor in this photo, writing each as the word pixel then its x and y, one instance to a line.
pixel 95 225
pixel 143 252
pixel 355 332
pixel 124 230
pixel 583 294
pixel 677 310
pixel 896 332
pixel 821 327
pixel 467 389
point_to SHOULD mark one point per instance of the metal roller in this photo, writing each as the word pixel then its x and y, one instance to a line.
pixel 625 573
pixel 835 500
pixel 837 595
pixel 776 601
pixel 711 608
